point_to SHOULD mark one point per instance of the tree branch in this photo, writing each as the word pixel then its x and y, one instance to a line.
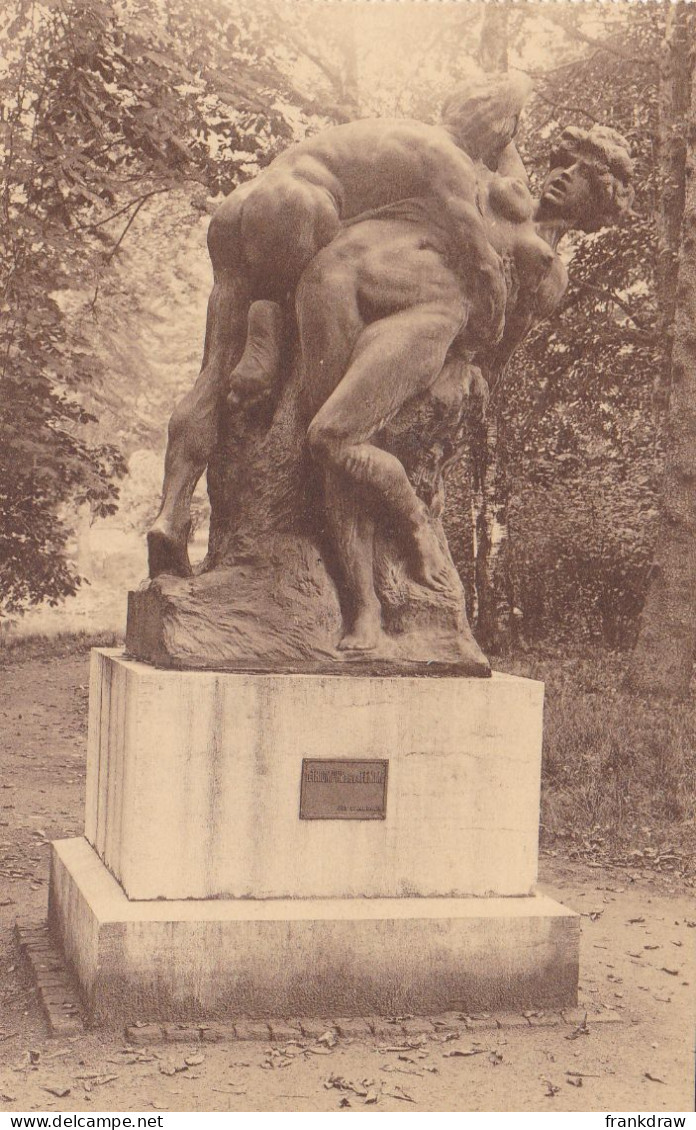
pixel 124 233
pixel 605 292
pixel 139 200
pixel 607 45
pixel 567 109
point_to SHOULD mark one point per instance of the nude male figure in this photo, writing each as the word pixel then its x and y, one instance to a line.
pixel 268 230
pixel 386 306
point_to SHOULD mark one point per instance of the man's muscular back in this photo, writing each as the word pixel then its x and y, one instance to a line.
pixel 272 226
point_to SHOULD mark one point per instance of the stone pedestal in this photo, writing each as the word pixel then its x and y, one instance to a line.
pixel 202 890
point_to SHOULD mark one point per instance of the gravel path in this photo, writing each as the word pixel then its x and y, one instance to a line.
pixel 637 960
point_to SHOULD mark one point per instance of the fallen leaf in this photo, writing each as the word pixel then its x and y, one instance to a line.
pixel 416 1044
pixel 342 1084
pixel 399 1093
pixel 653 1078
pixel 57 1090
pixel 581 1030
pixel 390 1067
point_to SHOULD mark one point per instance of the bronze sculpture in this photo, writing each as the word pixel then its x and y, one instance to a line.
pixel 269 229
pixel 372 393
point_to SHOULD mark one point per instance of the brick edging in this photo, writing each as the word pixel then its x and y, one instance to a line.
pixel 448 1026
pixel 56 990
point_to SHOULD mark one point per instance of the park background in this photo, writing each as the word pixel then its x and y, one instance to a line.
pixel 572 518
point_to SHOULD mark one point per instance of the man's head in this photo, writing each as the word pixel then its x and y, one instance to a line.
pixel 482 114
pixel 589 185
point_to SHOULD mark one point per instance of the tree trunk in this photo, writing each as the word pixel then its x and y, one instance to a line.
pixel 493 57
pixel 493 45
pixel 663 658
pixel 674 99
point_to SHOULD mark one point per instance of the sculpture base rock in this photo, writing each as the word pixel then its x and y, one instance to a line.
pixel 282 614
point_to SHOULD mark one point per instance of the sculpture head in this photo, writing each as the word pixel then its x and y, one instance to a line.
pixel 482 114
pixel 589 185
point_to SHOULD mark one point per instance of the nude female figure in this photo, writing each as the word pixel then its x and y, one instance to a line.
pixel 387 305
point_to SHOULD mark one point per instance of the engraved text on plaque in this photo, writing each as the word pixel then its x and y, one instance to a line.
pixel 343 790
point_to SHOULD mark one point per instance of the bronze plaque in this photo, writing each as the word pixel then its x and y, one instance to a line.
pixel 343 790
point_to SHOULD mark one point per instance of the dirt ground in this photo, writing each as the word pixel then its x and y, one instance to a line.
pixel 637 957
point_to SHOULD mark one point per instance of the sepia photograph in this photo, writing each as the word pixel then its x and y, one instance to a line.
pixel 347 560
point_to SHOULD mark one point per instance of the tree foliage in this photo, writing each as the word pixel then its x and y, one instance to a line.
pixel 104 104
pixel 574 438
pixel 662 662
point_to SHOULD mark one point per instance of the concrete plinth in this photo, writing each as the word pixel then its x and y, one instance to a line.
pixel 193 783
pixel 219 958
pixel 220 876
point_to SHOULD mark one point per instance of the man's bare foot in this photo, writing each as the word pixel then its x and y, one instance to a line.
pixel 167 554
pixel 365 633
pixel 430 566
pixel 254 378
pixel 246 390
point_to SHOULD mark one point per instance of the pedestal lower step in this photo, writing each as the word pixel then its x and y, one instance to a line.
pixel 217 958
